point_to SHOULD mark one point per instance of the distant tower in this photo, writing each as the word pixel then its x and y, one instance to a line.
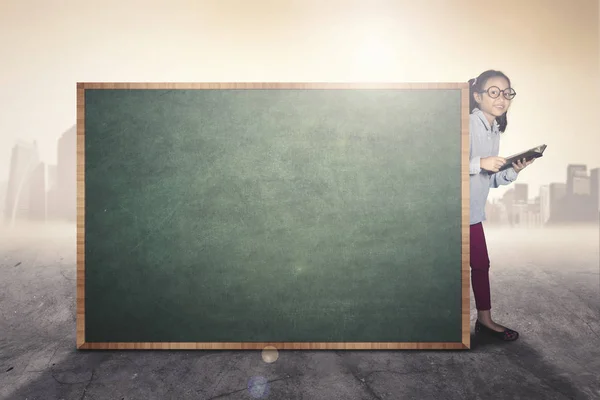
pixel 573 171
pixel 24 159
pixel 595 188
pixel 544 204
pixel 508 200
pixel 557 204
pixel 66 174
pixel 521 193
pixel 37 193
pixel 3 187
pixel 580 183
pixel 579 197
pixel 52 194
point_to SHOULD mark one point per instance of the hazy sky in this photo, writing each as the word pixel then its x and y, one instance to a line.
pixel 549 48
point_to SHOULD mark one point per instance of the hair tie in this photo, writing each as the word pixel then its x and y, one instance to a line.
pixel 474 81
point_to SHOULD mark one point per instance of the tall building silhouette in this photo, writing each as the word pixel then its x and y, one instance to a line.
pixel 3 187
pixel 51 176
pixel 37 193
pixel 534 212
pixel 52 197
pixel 581 183
pixel 66 174
pixel 521 193
pixel 573 171
pixel 508 200
pixel 544 204
pixel 557 197
pixel 595 188
pixel 24 159
pixel 580 205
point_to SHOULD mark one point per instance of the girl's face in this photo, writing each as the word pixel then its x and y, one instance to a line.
pixel 494 107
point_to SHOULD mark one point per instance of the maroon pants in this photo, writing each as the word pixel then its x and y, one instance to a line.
pixel 480 266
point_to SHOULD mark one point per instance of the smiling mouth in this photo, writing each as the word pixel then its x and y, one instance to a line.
pixel 499 107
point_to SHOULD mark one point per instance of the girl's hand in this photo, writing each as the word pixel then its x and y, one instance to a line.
pixel 492 164
pixel 518 166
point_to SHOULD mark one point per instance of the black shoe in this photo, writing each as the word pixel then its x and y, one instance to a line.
pixel 508 335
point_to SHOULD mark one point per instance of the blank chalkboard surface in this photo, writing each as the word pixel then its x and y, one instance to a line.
pixel 297 215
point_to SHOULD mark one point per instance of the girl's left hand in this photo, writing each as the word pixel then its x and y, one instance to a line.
pixel 518 166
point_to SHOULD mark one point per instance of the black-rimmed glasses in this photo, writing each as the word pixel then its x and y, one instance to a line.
pixel 494 92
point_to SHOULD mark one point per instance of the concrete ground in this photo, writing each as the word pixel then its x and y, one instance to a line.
pixel 545 284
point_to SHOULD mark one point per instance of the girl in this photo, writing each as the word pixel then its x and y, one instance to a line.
pixel 490 98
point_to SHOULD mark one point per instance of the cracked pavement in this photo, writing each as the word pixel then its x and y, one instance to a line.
pixel 547 287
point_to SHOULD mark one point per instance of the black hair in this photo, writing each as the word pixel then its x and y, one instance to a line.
pixel 477 85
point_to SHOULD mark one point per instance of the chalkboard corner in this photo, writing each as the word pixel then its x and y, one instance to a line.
pixel 86 85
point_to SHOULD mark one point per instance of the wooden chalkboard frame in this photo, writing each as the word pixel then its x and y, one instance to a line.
pixel 465 268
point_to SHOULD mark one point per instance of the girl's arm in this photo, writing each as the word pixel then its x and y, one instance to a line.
pixel 505 177
pixel 474 165
pixel 474 162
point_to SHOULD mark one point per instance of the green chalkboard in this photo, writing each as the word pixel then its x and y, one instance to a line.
pixel 296 215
